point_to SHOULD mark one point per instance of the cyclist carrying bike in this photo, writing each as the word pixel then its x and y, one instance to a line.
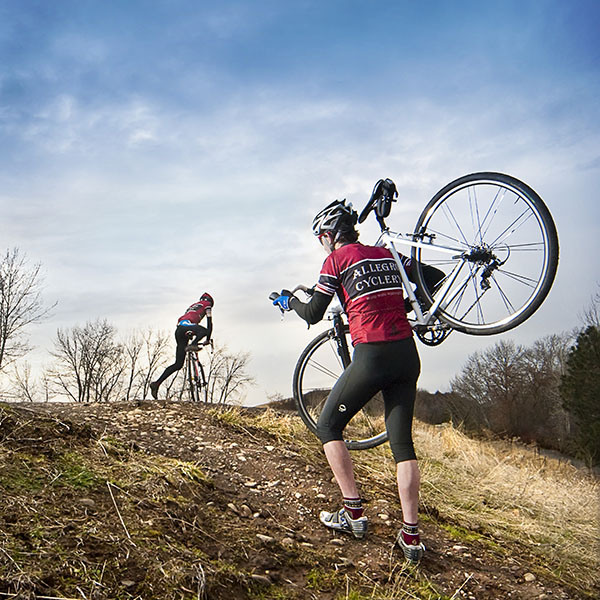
pixel 368 284
pixel 188 323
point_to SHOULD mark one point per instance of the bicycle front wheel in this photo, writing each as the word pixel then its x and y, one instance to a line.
pixel 196 379
pixel 504 258
pixel 317 370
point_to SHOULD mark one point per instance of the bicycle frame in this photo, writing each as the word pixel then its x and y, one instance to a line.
pixel 389 239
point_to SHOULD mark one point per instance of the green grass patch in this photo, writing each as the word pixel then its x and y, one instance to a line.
pixel 23 474
pixel 323 581
pixel 74 472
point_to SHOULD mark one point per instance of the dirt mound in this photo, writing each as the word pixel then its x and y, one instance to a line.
pixel 184 501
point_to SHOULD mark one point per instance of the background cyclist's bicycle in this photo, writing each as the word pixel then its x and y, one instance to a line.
pixel 496 243
pixel 196 378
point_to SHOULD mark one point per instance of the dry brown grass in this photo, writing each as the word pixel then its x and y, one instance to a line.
pixel 510 495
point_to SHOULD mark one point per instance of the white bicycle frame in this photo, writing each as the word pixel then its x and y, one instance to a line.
pixel 390 239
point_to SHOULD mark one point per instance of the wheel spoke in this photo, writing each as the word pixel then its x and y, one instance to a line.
pixel 512 228
pixel 528 281
pixel 451 218
pixel 493 208
pixel 507 303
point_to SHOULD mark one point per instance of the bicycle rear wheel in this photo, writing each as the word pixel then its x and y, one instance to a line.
pixel 506 252
pixel 196 379
pixel 317 370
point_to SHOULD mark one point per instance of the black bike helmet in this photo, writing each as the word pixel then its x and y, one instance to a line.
pixel 206 297
pixel 337 217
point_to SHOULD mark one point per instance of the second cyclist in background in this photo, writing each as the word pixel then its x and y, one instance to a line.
pixel 188 322
pixel 368 284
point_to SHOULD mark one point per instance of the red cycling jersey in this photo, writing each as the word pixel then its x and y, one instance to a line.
pixel 195 313
pixel 368 284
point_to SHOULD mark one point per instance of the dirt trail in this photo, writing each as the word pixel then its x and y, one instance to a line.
pixel 267 500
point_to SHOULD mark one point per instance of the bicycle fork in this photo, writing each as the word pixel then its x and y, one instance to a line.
pixel 340 339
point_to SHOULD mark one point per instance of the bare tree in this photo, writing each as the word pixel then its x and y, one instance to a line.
pixel 24 386
pixel 143 351
pixel 132 350
pixel 227 375
pixel 591 315
pixel 513 390
pixel 156 344
pixel 20 304
pixel 89 365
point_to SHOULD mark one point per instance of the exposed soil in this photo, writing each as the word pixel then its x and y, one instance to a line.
pixel 238 518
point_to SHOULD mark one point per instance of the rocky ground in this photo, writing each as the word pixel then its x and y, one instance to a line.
pixel 239 520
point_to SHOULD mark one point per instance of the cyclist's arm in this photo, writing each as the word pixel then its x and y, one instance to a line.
pixel 209 324
pixel 313 310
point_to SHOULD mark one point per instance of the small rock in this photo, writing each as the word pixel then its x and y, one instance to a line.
pixel 269 448
pixel 250 483
pixel 529 577
pixel 345 562
pixel 457 547
pixel 233 508
pixel 287 541
pixel 337 542
pixel 265 539
pixel 245 511
pixel 241 457
pixel 384 516
pixel 297 495
pixel 307 545
pixel 262 579
pixel 88 502
pixel 127 583
pixel 321 496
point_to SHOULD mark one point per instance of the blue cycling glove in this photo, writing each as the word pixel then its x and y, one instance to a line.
pixel 283 300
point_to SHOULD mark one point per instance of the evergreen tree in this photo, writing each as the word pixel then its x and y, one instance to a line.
pixel 580 389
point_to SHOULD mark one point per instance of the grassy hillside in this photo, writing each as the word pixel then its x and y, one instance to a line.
pixel 180 501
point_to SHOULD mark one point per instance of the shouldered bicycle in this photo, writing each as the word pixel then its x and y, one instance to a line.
pixel 496 243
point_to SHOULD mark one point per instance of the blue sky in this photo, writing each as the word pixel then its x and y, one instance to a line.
pixel 152 150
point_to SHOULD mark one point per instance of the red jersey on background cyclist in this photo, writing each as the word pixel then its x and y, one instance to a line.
pixel 367 282
pixel 189 322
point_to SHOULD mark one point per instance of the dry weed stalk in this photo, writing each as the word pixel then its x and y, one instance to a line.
pixel 118 512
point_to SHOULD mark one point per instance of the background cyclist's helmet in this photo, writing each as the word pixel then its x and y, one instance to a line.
pixel 206 297
pixel 337 217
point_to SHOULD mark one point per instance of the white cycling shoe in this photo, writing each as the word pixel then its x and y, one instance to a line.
pixel 412 552
pixel 342 521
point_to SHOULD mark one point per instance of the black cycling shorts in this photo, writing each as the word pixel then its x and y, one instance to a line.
pixel 388 367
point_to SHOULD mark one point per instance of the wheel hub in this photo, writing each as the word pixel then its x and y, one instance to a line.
pixel 481 254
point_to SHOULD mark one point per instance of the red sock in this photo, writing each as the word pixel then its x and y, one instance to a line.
pixel 354 507
pixel 410 534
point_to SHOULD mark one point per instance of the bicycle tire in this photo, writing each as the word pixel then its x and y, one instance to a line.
pixel 519 232
pixel 196 379
pixel 316 371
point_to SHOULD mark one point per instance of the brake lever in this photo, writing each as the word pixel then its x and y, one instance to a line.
pixel 273 296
